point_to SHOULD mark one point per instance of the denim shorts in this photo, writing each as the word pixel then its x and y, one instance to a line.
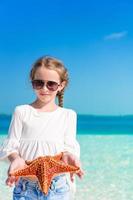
pixel 30 190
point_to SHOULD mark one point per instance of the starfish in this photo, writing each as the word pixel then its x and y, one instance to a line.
pixel 45 168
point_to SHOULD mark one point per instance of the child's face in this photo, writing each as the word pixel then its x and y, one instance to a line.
pixel 44 94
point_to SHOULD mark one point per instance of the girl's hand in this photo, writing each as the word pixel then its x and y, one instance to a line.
pixel 17 163
pixel 72 160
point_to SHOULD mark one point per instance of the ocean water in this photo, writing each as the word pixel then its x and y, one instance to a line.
pixel 106 155
pixel 90 124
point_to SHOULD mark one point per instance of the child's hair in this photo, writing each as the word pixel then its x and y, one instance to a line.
pixel 53 64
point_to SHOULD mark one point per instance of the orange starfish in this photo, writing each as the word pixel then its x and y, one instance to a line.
pixel 45 168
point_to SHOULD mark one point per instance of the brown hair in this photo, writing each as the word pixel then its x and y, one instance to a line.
pixel 53 64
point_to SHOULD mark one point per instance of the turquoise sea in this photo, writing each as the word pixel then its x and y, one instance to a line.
pixel 106 154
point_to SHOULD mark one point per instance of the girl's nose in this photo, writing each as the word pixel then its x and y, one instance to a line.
pixel 45 87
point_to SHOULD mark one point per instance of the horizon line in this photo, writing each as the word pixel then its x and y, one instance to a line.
pixel 93 115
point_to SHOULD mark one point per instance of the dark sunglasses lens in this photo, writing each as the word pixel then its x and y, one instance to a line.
pixel 37 84
pixel 51 85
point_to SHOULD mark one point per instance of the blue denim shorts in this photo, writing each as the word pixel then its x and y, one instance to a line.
pixel 30 190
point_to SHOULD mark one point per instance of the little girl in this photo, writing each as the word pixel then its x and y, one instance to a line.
pixel 43 128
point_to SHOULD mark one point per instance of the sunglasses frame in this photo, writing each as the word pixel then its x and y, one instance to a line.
pixel 45 82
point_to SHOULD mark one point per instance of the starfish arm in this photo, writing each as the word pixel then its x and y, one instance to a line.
pixel 59 169
pixel 28 162
pixel 40 158
pixel 44 177
pixel 58 156
pixel 28 171
pixel 46 184
pixel 63 167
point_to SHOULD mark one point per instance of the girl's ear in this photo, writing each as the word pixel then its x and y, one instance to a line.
pixel 62 85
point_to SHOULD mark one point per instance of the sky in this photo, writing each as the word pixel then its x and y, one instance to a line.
pixel 94 39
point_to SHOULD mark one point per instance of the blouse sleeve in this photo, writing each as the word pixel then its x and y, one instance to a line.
pixel 11 143
pixel 70 143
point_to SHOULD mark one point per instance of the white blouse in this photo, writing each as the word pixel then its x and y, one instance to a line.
pixel 33 133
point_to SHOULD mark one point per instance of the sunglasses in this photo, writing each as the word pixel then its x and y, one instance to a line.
pixel 39 84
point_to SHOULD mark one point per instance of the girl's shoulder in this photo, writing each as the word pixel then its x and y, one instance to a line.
pixel 69 111
pixel 21 109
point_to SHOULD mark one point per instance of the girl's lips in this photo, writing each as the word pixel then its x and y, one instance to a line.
pixel 43 94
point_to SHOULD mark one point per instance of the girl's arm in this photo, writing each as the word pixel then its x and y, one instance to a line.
pixel 13 156
pixel 71 146
pixel 11 143
pixel 10 148
pixel 16 163
pixel 71 159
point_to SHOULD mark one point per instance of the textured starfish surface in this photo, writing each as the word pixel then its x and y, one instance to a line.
pixel 45 168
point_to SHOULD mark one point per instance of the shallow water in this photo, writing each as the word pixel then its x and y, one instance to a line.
pixel 107 161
